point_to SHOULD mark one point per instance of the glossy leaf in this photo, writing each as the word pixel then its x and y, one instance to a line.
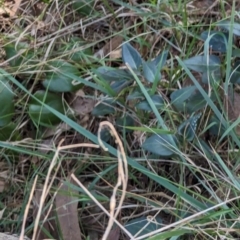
pixel 161 144
pixel 150 71
pixel 56 80
pixel 218 40
pixel 6 102
pixel 131 56
pixel 113 74
pixel 203 63
pixel 157 100
pixel 39 114
pixel 104 108
pixel 225 24
pixel 143 225
pixel 83 7
pixel 235 75
pixel 188 128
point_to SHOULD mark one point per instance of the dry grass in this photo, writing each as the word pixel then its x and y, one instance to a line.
pixel 32 163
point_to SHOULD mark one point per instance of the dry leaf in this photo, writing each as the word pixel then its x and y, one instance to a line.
pixel 232 107
pixel 2 186
pixel 110 48
pixel 83 106
pixel 113 44
pixel 202 3
pixel 114 234
pixel 66 208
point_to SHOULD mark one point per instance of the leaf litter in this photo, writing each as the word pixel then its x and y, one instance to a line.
pixel 67 212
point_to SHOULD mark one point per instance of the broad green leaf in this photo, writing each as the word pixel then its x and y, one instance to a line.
pixel 205 149
pixel 6 102
pixel 113 74
pixel 26 60
pixel 218 40
pixel 236 52
pixel 150 71
pixel 157 100
pixel 160 144
pixel 57 81
pixel 225 24
pixel 83 7
pixel 118 86
pixel 9 132
pixel 131 56
pixel 160 60
pixel 216 129
pixel 174 234
pixel 188 128
pixel 203 63
pixel 143 225
pixel 104 108
pixel 124 121
pixel 105 135
pixel 137 94
pixel 195 103
pixel 235 75
pixel 39 114
pixel 11 52
pixel 179 97
pixel 211 77
pixel 196 204
pixel 80 55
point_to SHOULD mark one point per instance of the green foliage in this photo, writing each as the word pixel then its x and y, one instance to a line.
pixel 39 114
pixel 142 226
pixel 6 102
pixel 56 79
pixel 218 40
pixel 161 144
pixel 83 7
pixel 9 132
pixel 235 75
pixel 79 56
pixel 112 74
pixel 226 25
pixel 203 63
pixel 157 100
pixel 20 56
pixel 188 128
pixel 104 108
pixel 131 56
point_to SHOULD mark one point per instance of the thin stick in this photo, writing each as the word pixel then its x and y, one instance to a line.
pixel 27 209
pixel 47 186
pixel 99 204
pixel 122 176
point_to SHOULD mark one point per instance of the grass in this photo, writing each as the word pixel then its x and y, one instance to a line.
pixel 190 194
